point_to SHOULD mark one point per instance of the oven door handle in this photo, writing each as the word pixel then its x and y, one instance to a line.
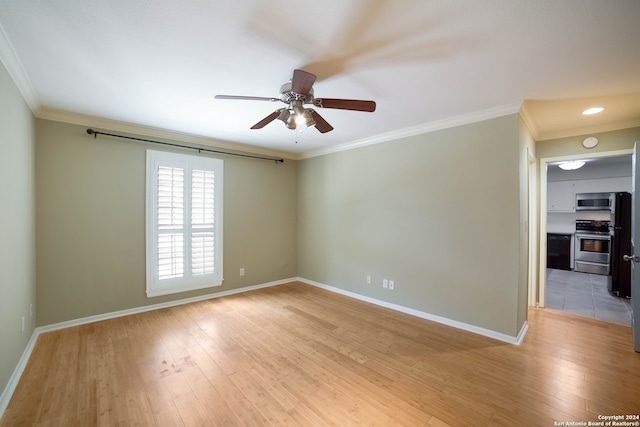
pixel 593 236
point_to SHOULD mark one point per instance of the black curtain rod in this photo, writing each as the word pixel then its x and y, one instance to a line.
pixel 95 134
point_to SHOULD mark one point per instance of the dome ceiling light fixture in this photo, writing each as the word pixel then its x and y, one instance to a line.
pixel 572 165
pixel 593 110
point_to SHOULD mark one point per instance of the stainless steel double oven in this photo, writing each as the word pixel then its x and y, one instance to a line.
pixel 593 246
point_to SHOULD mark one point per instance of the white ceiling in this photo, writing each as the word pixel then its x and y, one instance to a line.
pixel 160 63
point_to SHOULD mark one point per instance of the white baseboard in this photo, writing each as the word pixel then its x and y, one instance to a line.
pixel 523 332
pixel 121 313
pixel 517 340
pixel 5 397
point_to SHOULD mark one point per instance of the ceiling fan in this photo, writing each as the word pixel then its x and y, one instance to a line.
pixel 298 92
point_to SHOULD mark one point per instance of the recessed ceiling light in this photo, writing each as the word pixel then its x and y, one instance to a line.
pixel 594 110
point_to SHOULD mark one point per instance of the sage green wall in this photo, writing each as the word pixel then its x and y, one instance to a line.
pixel 17 225
pixel 607 141
pixel 438 213
pixel 91 216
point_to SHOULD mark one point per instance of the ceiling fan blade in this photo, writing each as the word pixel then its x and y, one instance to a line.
pixel 345 104
pixel 302 82
pixel 262 123
pixel 247 98
pixel 321 124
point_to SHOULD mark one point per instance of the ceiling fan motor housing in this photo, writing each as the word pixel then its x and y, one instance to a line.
pixel 287 95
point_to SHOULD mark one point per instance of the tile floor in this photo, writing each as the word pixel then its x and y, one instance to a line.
pixel 586 295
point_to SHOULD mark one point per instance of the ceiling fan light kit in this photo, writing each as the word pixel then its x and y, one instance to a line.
pixel 287 119
pixel 297 93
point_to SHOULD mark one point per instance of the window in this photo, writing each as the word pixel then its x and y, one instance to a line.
pixel 184 222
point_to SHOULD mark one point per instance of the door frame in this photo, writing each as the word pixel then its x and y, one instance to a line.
pixel 532 225
pixel 538 293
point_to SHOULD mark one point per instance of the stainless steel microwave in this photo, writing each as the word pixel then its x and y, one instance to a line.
pixel 594 201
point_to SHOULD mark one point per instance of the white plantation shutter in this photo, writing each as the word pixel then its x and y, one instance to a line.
pixel 202 222
pixel 170 219
pixel 202 200
pixel 170 256
pixel 184 227
pixel 202 259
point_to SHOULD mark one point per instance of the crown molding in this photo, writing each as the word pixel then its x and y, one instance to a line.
pixel 451 122
pixel 530 121
pixel 15 69
pixel 148 131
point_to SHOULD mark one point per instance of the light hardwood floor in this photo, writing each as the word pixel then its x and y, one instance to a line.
pixel 298 355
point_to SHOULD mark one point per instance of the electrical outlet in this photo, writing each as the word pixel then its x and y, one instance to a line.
pixel 368 280
pixel 242 272
pixel 385 283
pixel 392 284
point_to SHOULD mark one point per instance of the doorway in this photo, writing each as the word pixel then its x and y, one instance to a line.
pixel 579 292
